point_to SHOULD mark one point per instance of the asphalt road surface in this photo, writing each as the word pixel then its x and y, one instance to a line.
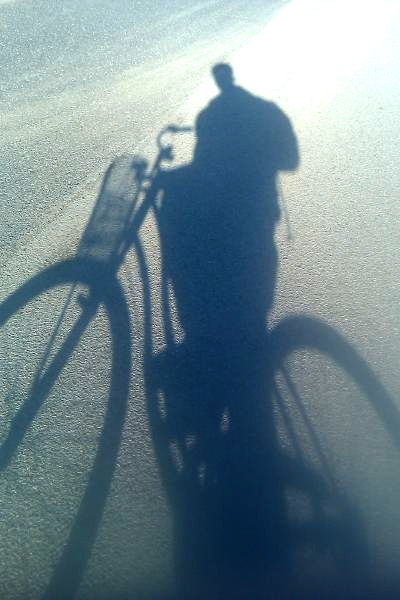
pixel 100 493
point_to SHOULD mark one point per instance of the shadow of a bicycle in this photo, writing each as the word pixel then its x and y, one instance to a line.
pixel 231 454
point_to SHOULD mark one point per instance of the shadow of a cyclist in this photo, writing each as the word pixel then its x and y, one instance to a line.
pixel 214 426
pixel 210 396
pixel 217 221
pixel 219 214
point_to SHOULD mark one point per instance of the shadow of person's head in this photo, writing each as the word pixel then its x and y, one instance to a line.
pixel 223 76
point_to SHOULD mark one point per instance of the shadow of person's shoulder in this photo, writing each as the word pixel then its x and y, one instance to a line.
pixel 267 107
pixel 242 104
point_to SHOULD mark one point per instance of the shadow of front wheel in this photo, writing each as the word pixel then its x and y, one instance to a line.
pixel 105 290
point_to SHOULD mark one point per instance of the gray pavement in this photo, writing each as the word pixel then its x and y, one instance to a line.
pixel 86 82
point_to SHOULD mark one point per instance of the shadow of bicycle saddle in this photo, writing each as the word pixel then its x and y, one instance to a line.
pixel 183 386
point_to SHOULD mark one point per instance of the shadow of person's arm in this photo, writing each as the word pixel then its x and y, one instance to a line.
pixel 285 147
pixel 204 138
